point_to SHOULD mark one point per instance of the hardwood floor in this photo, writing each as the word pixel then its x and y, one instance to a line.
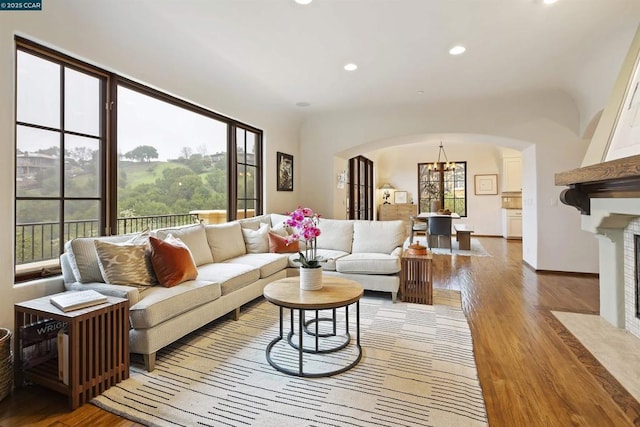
pixel 531 371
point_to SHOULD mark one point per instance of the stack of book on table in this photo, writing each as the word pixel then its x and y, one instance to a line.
pixel 69 301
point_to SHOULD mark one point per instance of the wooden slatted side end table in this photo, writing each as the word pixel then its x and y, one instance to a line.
pixel 416 278
pixel 98 349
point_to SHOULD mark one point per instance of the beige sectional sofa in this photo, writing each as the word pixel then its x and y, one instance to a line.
pixel 233 266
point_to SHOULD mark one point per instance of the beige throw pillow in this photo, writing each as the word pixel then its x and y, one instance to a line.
pixel 225 240
pixel 194 237
pixel 256 241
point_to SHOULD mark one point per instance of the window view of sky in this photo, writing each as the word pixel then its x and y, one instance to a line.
pixel 142 120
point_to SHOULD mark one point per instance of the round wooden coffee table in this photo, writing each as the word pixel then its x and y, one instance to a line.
pixel 336 293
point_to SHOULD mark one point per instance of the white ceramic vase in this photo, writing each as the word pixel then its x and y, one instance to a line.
pixel 310 279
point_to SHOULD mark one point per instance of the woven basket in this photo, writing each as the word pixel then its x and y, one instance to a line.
pixel 6 363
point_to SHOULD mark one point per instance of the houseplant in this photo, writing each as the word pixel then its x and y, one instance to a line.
pixel 304 224
pixel 433 190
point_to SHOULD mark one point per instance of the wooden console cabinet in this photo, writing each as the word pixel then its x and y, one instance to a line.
pixel 393 212
pixel 98 347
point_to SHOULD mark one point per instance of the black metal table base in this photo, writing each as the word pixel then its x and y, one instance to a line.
pixel 305 327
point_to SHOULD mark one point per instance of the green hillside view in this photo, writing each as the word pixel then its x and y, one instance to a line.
pixel 146 188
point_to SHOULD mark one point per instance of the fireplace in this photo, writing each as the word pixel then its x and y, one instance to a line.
pixel 632 276
pixel 607 195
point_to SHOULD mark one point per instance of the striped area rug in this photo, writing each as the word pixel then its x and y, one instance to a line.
pixel 417 369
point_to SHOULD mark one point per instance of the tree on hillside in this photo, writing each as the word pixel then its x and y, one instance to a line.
pixel 142 153
pixel 186 152
pixel 81 155
pixel 196 163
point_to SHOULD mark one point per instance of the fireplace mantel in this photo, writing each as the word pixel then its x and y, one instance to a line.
pixel 615 178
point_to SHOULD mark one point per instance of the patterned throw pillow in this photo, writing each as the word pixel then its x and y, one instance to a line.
pixel 124 264
pixel 172 261
pixel 278 244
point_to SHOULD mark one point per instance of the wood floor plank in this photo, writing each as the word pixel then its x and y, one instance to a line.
pixel 530 375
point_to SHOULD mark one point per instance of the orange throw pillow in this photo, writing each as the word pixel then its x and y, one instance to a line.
pixel 278 244
pixel 172 261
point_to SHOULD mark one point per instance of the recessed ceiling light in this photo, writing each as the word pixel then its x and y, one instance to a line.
pixel 420 92
pixel 351 67
pixel 302 104
pixel 457 50
pixel 549 1
pixel 303 1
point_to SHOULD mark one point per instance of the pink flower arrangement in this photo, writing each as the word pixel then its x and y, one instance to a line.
pixel 304 223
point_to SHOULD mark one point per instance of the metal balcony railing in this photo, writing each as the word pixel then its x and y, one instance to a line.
pixel 40 241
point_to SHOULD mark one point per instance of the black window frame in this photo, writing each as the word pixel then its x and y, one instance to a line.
pixel 360 188
pixel 446 202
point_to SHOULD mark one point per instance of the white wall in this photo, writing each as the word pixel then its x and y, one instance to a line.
pixel 139 60
pixel 547 120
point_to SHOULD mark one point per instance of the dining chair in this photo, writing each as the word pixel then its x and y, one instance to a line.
pixel 439 226
pixel 418 225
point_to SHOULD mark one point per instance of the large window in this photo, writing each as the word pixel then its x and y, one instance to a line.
pixel 99 154
pixel 443 188
pixel 60 139
pixel 248 190
pixel 171 161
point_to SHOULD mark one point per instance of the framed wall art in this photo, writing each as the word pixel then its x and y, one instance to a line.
pixel 400 197
pixel 486 184
pixel 285 172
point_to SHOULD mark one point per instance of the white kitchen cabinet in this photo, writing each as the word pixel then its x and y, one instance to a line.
pixel 512 223
pixel 511 174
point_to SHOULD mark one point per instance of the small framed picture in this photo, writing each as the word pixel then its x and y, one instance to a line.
pixel 486 184
pixel 285 172
pixel 400 197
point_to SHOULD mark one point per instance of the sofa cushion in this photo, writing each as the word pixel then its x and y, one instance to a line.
pixel 83 258
pixel 336 234
pixel 267 263
pixel 159 303
pixel 256 241
pixel 255 222
pixel 124 264
pixel 377 236
pixel 368 263
pixel 195 237
pixel 278 244
pixel 172 261
pixel 225 240
pixel 231 276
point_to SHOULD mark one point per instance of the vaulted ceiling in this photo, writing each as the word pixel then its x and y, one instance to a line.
pixel 280 53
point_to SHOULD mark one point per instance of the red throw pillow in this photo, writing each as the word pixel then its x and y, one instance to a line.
pixel 278 244
pixel 172 261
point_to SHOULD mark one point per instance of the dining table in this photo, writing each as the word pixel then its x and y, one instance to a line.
pixel 423 219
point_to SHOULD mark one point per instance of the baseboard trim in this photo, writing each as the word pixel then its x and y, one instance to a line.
pixel 560 272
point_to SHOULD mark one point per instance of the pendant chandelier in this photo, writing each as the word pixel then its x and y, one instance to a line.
pixel 445 165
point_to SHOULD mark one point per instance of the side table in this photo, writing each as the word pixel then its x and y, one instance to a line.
pixel 416 278
pixel 98 347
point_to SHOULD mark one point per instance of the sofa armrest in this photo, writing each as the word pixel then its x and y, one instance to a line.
pixel 396 252
pixel 129 292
